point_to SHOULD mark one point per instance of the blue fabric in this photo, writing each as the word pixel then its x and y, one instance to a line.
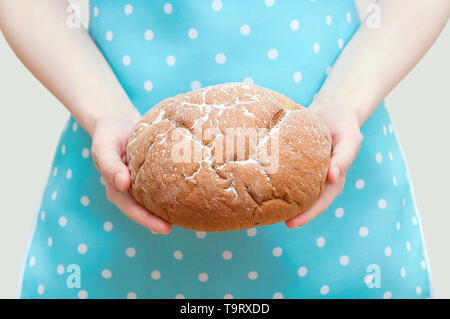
pixel 370 235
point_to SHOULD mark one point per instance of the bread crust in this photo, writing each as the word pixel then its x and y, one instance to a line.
pixel 238 189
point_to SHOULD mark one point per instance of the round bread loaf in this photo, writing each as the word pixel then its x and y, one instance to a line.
pixel 228 157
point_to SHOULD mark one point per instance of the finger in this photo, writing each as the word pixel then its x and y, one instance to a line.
pixel 330 193
pixel 107 157
pixel 343 155
pixel 130 207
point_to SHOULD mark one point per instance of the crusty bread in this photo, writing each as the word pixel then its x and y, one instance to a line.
pixel 222 188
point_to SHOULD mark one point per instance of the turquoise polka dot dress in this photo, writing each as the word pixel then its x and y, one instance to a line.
pixel 368 244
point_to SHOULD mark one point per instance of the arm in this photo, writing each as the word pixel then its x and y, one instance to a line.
pixel 370 66
pixel 68 63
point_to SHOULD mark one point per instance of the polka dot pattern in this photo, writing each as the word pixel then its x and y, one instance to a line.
pixel 157 51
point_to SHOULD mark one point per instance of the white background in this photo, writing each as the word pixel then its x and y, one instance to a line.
pixel 31 120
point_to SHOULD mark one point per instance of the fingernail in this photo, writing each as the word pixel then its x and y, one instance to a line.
pixel 117 179
pixel 337 172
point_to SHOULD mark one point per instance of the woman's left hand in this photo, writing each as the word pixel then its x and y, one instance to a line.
pixel 346 141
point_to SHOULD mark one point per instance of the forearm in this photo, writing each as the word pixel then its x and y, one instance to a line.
pixel 376 59
pixel 64 59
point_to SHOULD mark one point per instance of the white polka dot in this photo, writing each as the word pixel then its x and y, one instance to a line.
pixel 148 35
pixel 62 221
pixel 277 251
pixel 155 275
pixel 294 24
pixel 128 9
pixel 329 20
pixel 324 290
pixel 363 231
pixel 63 150
pixel 228 296
pixel 278 295
pixel 130 252
pixel 102 180
pixel 200 234
pixel 195 85
pixel 418 290
pixel 251 232
pixel 178 255
pixel 245 29
pixel 302 271
pixel 69 174
pixel 390 128
pixel 423 264
pixel 126 60
pixel 203 277
pixel 227 255
pixel 40 289
pixel 220 58
pixel 320 242
pixel 171 60
pixel 339 212
pixel 55 171
pixel 394 181
pixel 32 261
pixel 85 152
pixel 82 294
pixel 349 17
pixel 168 8
pixel 131 295
pixel 316 48
pixel 328 69
pixel 340 43
pixel 272 54
pixel 95 11
pixel 344 260
pixel 54 194
pixel 216 5
pixel 269 3
pixel 297 77
pixel 252 275
pixel 387 295
pixel 179 296
pixel 248 80
pixel 84 200
pixel 108 226
pixel 60 269
pixel 403 272
pixel 404 202
pixel 382 203
pixel 193 33
pixel 82 248
pixel 397 226
pixel 74 126
pixel 43 216
pixel 408 246
pixel 360 184
pixel 148 85
pixel 378 157
pixel 414 220
pixel 391 157
pixel 388 251
pixel 109 35
pixel 106 273
pixel 50 242
pixel 368 279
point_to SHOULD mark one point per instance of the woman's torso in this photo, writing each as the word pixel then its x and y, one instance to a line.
pixel 159 49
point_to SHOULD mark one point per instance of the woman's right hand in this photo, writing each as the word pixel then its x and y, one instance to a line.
pixel 109 142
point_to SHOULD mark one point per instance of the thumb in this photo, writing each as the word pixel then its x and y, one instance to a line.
pixel 343 155
pixel 106 153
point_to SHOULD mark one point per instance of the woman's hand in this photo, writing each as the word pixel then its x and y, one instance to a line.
pixel 346 141
pixel 109 142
